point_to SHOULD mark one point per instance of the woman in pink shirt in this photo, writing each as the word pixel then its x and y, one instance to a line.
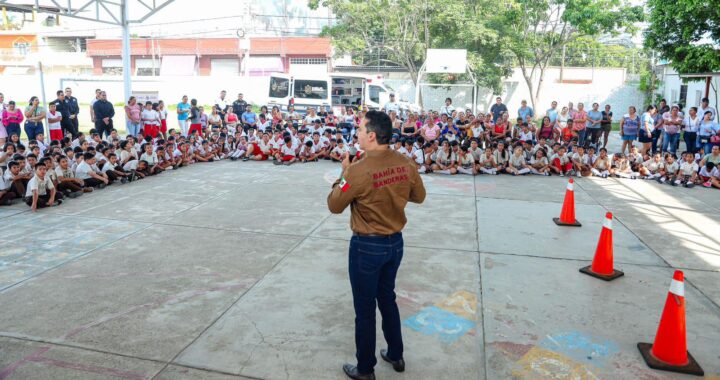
pixel 580 124
pixel 430 131
pixel 132 115
pixel 11 120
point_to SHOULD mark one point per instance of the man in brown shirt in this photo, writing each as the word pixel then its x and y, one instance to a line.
pixel 377 187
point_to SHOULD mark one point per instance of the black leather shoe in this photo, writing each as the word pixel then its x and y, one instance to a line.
pixel 398 365
pixel 352 372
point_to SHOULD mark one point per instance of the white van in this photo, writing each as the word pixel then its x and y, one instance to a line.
pixel 333 90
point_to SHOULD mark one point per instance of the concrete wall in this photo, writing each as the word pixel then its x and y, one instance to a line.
pixel 170 89
pixel 603 85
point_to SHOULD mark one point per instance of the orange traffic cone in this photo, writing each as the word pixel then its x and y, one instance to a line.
pixel 567 215
pixel 602 265
pixel 669 352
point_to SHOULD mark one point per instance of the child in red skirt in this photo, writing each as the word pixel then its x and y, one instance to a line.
pixel 54 118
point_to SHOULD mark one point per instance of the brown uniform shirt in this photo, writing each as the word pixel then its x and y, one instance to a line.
pixel 377 188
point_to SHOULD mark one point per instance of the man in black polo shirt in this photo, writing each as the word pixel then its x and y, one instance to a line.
pixel 74 109
pixel 239 106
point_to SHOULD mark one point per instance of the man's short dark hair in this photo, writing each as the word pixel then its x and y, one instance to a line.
pixel 379 122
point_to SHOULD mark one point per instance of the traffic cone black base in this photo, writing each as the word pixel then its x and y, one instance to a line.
pixel 692 368
pixel 607 277
pixel 559 223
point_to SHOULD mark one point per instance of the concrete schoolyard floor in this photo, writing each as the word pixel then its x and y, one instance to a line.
pixel 237 270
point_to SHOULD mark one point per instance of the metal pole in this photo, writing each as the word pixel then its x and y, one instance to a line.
pixel 126 51
pixel 42 96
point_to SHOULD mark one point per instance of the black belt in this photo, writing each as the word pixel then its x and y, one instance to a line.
pixel 374 235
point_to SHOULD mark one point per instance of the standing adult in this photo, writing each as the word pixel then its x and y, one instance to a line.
pixel 34 116
pixel 647 127
pixel 692 125
pixel 705 107
pixel 672 122
pixel 73 107
pixel 580 119
pixel 92 104
pixel 448 108
pixel 593 125
pixel 606 124
pixel 11 120
pixel 524 111
pixel 240 105
pixel 708 129
pixel 3 106
pixel 221 104
pixel 104 112
pixel 497 109
pixel 62 108
pixel 552 112
pixel 629 129
pixel 133 119
pixel 376 187
pixel 391 105
pixel 183 111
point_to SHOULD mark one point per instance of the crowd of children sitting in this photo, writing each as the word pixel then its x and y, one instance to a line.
pixel 43 174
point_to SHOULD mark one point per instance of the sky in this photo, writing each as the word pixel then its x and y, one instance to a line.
pixel 216 18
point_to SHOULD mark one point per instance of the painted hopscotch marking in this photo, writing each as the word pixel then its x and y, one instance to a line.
pixel 449 319
pixel 580 347
pixel 546 364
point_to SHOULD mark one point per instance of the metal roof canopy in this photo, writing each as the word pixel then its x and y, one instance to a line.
pixel 113 12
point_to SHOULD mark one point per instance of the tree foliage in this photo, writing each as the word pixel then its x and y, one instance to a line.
pixel 535 31
pixel 686 32
pixel 400 31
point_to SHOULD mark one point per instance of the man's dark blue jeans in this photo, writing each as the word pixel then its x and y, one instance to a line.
pixel 374 263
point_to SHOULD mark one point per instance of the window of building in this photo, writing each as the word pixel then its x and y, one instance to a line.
pixel 21 48
pixel 145 67
pixel 683 94
pixel 311 89
pixel 112 66
pixel 224 67
pixel 308 61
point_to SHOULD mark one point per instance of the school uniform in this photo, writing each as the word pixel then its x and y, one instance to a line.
pixel 535 163
pixel 82 172
pixel 421 159
pixel 602 167
pixel 518 163
pixel 501 159
pixel 68 186
pixel 487 164
pixel 467 162
pixel 43 187
pixel 561 162
pixel 56 127
pixel 288 153
pixel 340 151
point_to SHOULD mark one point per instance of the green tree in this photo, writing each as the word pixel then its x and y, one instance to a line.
pixel 686 32
pixel 399 32
pixel 534 31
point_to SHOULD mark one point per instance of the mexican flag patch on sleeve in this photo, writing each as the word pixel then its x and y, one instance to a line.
pixel 344 185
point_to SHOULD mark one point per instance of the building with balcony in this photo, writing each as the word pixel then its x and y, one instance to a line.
pixel 27 38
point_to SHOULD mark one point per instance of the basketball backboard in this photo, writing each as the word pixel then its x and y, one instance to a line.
pixel 449 61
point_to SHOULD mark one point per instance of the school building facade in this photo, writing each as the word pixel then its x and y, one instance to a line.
pixel 260 56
